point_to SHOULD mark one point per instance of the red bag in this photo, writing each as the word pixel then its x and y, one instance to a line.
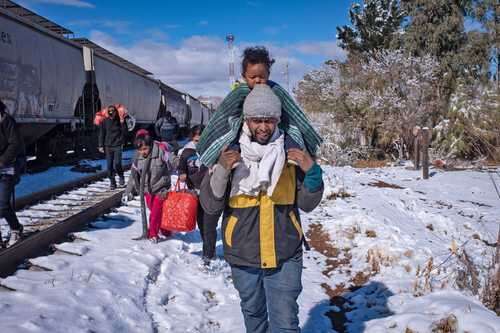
pixel 179 210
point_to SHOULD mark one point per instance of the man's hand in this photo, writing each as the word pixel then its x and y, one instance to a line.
pixel 302 158
pixel 101 149
pixel 229 158
pixel 163 194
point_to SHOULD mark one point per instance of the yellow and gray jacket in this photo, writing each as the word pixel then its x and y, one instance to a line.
pixel 262 231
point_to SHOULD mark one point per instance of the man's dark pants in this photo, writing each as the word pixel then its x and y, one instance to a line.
pixel 114 161
pixel 207 224
pixel 7 184
pixel 269 296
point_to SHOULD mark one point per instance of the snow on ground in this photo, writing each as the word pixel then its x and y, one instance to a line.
pixel 378 239
pixel 54 176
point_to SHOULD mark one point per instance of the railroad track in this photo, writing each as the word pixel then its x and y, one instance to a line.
pixel 48 220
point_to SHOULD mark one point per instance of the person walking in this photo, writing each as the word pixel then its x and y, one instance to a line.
pixel 11 156
pixel 167 130
pixel 192 173
pixel 111 140
pixel 260 195
pixel 152 162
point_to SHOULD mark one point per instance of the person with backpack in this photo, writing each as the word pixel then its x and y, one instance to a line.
pixel 11 160
pixel 166 129
pixel 151 169
pixel 260 195
pixel 111 140
pixel 192 172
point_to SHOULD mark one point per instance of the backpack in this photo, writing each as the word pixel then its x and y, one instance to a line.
pixel 168 130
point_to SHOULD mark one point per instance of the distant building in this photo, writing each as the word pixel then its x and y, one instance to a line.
pixel 212 102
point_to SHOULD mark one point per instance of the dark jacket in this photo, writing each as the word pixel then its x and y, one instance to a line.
pixel 264 231
pixel 189 164
pixel 11 142
pixel 112 133
pixel 158 171
pixel 167 128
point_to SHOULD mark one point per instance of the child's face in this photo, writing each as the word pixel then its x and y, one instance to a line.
pixel 256 74
pixel 196 138
pixel 144 151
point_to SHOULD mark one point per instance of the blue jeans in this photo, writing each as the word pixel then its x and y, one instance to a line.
pixel 7 184
pixel 269 296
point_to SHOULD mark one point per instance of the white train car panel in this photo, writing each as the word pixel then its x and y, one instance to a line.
pixel 205 111
pixel 176 104
pixel 41 74
pixel 140 95
pixel 196 111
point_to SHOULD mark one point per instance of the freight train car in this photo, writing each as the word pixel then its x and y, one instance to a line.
pixel 41 76
pixel 54 85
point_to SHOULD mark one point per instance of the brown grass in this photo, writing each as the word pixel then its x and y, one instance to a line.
pixel 383 184
pixel 491 290
pixel 446 325
pixel 340 194
pixel 371 164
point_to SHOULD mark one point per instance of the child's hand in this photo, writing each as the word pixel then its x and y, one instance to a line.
pixel 302 158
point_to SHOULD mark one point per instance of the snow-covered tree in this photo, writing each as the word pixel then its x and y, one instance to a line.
pixel 400 92
pixel 385 97
pixel 471 127
pixel 374 26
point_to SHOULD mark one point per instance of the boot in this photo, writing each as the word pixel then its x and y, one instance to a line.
pixel 121 182
pixel 112 185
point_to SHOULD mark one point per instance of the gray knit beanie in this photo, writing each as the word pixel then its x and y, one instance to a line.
pixel 262 102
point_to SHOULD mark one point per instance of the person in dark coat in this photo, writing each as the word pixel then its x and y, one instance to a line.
pixel 167 130
pixel 11 152
pixel 111 140
pixel 192 172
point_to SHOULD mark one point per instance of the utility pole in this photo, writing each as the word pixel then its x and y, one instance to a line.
pixel 287 76
pixel 230 44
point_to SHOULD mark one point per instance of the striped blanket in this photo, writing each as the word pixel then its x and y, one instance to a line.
pixel 225 124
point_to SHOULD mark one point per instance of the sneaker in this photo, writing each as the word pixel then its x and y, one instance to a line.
pixel 121 182
pixel 15 236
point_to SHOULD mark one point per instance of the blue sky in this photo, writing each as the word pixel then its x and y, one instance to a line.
pixel 182 42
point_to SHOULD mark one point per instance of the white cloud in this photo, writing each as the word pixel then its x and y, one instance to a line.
pixel 73 3
pixel 199 64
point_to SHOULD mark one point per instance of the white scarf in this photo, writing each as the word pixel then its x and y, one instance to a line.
pixel 261 165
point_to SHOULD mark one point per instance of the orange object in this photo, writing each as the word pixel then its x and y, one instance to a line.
pixel 179 210
pixel 100 116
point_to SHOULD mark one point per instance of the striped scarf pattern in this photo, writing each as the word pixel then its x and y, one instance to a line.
pixel 225 124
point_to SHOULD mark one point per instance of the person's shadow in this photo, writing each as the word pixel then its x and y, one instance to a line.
pixel 351 311
pixel 115 221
